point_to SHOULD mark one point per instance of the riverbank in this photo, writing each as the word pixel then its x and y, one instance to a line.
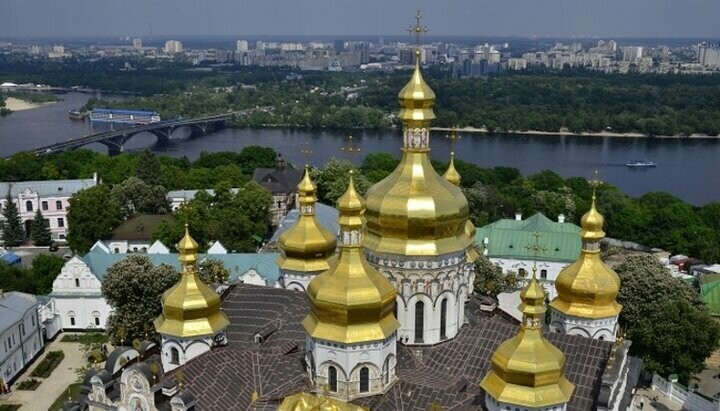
pixel 15 104
pixel 484 130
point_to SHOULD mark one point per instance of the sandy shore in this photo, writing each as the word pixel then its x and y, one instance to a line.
pixel 567 133
pixel 15 104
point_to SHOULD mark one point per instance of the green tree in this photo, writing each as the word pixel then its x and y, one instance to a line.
pixel 332 180
pixel 92 214
pixel 136 197
pixel 45 268
pixel 13 230
pixel 252 157
pixel 133 287
pixel 667 321
pixel 147 168
pixel 377 166
pixel 40 231
pixel 490 279
pixel 213 271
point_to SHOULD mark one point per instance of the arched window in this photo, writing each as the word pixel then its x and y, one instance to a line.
pixel 174 356
pixel 28 205
pixel 364 379
pixel 443 319
pixel 332 378
pixel 419 321
pixel 71 316
pixel 77 282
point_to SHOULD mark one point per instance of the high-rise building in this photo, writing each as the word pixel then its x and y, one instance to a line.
pixel 241 46
pixel 173 46
pixel 709 55
pixel 137 44
pixel 632 53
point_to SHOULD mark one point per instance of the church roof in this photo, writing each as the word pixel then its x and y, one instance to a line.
pixel 237 263
pixel 446 374
pixel 46 188
pixel 278 180
pixel 509 239
pixel 326 215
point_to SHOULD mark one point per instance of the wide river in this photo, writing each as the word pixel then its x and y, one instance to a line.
pixel 689 169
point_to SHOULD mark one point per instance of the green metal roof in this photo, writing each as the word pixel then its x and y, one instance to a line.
pixel 512 239
pixel 710 292
pixel 238 263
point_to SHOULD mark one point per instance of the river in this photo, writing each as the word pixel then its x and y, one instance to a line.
pixel 687 168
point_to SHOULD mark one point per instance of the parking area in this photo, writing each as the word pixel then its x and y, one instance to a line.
pixel 28 254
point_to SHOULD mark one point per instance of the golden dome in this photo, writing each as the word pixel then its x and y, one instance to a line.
pixel 416 98
pixel 588 288
pixel 307 245
pixel 452 175
pixel 351 302
pixel 190 308
pixel 304 401
pixel 527 370
pixel 414 211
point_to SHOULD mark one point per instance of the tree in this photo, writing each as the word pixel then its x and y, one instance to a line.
pixel 252 157
pixel 133 287
pixel 40 231
pixel 147 168
pixel 332 180
pixel 45 268
pixel 667 321
pixel 490 279
pixel 136 197
pixel 213 271
pixel 92 214
pixel 377 166
pixel 13 231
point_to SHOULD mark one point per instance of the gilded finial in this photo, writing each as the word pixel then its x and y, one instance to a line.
pixel 417 31
pixel 350 147
pixel 306 152
pixel 187 247
pixel 592 222
pixel 454 137
pixel 595 182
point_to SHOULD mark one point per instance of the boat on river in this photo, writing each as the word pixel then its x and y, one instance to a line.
pixel 76 115
pixel 640 163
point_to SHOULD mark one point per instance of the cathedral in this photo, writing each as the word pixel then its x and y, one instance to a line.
pixel 380 315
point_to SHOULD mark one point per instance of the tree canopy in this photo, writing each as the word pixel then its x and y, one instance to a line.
pixel 136 197
pixel 669 325
pixel 490 280
pixel 12 228
pixel 133 287
pixel 36 280
pixel 40 231
pixel 92 214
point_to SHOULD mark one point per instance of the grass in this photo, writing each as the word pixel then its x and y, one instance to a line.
pixel 48 364
pixel 29 385
pixel 9 407
pixel 72 391
pixel 70 338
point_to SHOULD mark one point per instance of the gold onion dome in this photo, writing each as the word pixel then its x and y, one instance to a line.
pixel 190 308
pixel 304 401
pixel 453 177
pixel 588 288
pixel 414 211
pixel 451 174
pixel 351 302
pixel 527 370
pixel 307 245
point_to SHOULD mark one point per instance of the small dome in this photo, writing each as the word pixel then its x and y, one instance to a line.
pixel 416 98
pixel 588 288
pixel 190 308
pixel 351 302
pixel 452 175
pixel 307 245
pixel 304 401
pixel 527 370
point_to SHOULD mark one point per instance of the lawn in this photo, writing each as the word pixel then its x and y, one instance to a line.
pixel 71 391
pixel 48 364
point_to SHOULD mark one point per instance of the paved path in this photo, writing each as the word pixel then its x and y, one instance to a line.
pixel 653 401
pixel 50 388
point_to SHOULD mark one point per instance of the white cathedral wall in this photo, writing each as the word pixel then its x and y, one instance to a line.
pixel 187 350
pixel 296 281
pixel 378 356
pixel 493 405
pixel 78 296
pixel 597 329
pixel 552 270
pixel 429 280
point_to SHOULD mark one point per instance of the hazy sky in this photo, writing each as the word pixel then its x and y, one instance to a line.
pixel 563 18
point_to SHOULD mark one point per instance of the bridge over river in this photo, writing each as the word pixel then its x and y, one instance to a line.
pixel 115 139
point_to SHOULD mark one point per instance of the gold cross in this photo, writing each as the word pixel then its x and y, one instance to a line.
pixel 536 248
pixel 349 147
pixel 453 137
pixel 417 30
pixel 595 183
pixel 306 151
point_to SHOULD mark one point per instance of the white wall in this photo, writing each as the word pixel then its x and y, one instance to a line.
pixel 19 345
pixel 78 295
pixel 552 269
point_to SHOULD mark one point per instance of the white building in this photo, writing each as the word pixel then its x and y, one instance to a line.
pixel 241 46
pixel 632 53
pixel 19 333
pixel 511 245
pixel 173 47
pixel 50 197
pixel 709 56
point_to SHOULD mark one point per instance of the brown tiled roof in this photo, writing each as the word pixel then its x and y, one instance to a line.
pixel 446 374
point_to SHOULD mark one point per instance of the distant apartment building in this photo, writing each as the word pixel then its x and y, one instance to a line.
pixel 632 53
pixel 137 44
pixel 173 47
pixel 709 55
pixel 241 46
pixel 50 197
pixel 56 52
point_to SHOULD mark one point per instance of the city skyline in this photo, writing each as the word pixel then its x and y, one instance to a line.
pixel 518 18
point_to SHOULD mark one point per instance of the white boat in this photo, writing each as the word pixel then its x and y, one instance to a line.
pixel 638 163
